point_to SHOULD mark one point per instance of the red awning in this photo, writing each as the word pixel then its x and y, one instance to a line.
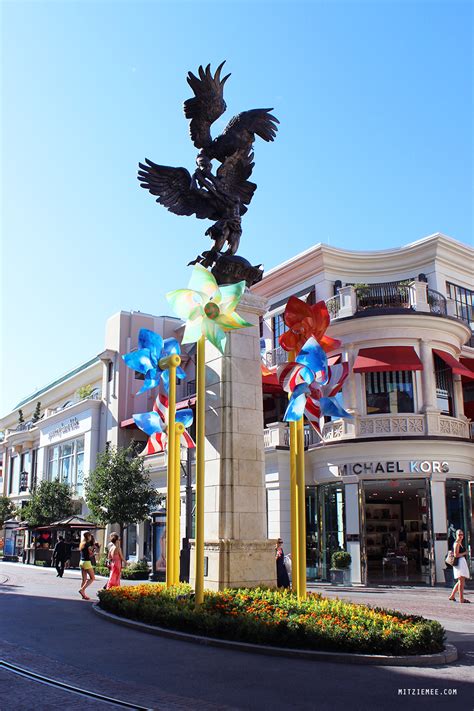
pixel 332 360
pixel 387 358
pixel 457 367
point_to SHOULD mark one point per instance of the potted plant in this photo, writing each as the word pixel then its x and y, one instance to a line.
pixel 340 573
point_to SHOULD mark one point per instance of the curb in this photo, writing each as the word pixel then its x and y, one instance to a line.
pixel 448 656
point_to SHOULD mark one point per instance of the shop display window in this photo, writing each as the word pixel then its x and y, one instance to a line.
pixel 389 392
pixel 458 511
pixel 325 528
pixel 397 531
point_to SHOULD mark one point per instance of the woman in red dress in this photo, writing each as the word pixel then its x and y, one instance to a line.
pixel 116 561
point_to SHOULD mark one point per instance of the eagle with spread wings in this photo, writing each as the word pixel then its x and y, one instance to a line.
pixel 225 196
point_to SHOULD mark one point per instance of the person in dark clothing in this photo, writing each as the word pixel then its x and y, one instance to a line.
pixel 60 556
pixel 283 581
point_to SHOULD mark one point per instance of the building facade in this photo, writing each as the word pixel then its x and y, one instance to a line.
pixel 393 483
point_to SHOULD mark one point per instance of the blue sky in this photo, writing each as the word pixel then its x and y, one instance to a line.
pixel 374 148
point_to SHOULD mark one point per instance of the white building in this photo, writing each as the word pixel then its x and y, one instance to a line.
pixel 393 483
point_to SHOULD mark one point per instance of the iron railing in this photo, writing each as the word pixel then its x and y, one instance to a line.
pixel 388 295
pixel 334 306
pixel 436 302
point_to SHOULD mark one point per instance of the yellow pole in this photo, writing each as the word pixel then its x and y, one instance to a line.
pixel 293 502
pixel 171 362
pixel 179 429
pixel 301 496
pixel 200 443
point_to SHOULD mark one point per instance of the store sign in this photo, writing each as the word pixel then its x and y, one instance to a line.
pixel 65 429
pixel 414 466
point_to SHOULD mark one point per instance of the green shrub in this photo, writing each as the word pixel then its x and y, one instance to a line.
pixel 341 560
pixel 267 616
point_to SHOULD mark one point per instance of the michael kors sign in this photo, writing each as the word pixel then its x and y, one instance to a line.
pixel 414 466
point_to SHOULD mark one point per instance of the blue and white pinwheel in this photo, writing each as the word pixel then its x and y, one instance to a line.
pixel 151 349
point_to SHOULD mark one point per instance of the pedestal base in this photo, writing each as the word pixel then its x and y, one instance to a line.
pixel 235 564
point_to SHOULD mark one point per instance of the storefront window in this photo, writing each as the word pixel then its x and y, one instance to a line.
pixel 332 524
pixel 312 534
pixel 458 506
pixel 66 463
pixel 397 535
pixel 389 392
pixel 132 540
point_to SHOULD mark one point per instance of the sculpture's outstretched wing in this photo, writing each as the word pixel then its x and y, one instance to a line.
pixel 207 104
pixel 240 132
pixel 172 186
pixel 234 173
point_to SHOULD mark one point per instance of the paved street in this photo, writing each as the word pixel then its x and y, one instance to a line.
pixel 47 628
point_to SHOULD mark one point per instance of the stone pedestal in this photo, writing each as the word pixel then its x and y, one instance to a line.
pixel 236 546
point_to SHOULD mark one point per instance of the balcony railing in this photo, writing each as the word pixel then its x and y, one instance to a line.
pixel 436 302
pixel 390 295
pixel 374 426
pixel 369 299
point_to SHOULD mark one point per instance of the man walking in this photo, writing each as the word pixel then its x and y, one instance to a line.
pixel 59 556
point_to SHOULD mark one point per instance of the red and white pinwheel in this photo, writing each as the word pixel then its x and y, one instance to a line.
pixel 155 424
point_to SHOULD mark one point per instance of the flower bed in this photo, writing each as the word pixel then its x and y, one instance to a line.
pixel 266 616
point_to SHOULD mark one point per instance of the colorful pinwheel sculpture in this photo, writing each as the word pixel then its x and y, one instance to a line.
pixel 155 425
pixel 208 309
pixel 313 386
pixel 151 349
pixel 305 321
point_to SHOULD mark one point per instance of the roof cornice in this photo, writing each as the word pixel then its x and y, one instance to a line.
pixel 350 265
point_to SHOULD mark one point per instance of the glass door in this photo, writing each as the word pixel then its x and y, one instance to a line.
pixel 331 524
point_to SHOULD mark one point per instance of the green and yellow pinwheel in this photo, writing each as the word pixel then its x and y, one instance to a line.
pixel 208 309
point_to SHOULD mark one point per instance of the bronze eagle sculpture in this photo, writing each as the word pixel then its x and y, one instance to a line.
pixel 222 197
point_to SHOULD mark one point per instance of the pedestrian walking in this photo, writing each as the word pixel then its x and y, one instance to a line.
pixel 116 561
pixel 60 556
pixel 86 549
pixel 460 567
pixel 283 581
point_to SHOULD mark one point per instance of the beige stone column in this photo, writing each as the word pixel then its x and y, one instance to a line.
pixel 458 397
pixel 428 378
pixel 236 546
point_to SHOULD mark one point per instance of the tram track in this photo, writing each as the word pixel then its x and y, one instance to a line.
pixel 69 688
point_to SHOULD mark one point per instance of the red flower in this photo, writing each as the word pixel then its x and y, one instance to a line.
pixel 305 321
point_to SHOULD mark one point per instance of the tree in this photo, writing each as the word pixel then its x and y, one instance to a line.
pixel 50 502
pixel 37 412
pixel 7 510
pixel 119 488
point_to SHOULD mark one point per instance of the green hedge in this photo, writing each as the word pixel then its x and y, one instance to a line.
pixel 267 616
pixel 133 571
